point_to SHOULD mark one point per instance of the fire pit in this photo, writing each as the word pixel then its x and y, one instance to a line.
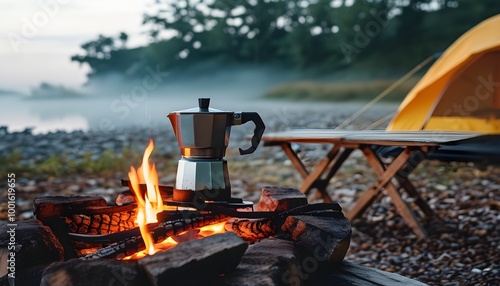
pixel 76 230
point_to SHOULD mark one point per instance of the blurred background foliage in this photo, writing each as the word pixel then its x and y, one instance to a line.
pixel 324 35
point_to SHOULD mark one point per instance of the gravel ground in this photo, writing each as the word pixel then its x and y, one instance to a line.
pixel 463 246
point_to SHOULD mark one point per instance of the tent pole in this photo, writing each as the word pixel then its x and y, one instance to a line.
pixel 386 92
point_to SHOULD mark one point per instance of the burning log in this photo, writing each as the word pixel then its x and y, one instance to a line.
pixel 273 199
pixel 324 238
pixel 195 262
pixel 166 229
pixel 251 230
pixel 85 215
pixel 280 201
pixel 128 196
pixel 82 215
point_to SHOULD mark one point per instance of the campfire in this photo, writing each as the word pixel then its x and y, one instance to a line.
pixel 283 235
pixel 158 235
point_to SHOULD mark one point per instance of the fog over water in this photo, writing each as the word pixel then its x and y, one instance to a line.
pixel 111 103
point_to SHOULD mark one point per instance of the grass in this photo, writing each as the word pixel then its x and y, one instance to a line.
pixel 60 165
pixel 349 91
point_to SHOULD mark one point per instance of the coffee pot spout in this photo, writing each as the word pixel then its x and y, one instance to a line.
pixel 173 120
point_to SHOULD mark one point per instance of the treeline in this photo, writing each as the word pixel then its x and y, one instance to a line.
pixel 327 35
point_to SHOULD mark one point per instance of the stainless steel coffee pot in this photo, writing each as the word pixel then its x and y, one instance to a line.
pixel 203 136
pixel 203 132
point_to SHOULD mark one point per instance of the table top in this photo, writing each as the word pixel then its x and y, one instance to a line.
pixel 370 137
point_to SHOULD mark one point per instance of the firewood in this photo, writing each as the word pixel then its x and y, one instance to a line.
pixel 128 196
pixel 102 223
pixel 324 238
pixel 50 206
pixel 251 230
pixel 272 199
pixel 32 244
pixel 26 277
pixel 197 262
pixel 99 272
pixel 269 262
pixel 280 199
pixel 348 273
pixel 85 215
pixel 163 231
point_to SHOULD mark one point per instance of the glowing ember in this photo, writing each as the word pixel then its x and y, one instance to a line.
pixel 151 203
pixel 212 229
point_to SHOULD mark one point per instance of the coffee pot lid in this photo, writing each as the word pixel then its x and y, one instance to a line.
pixel 203 107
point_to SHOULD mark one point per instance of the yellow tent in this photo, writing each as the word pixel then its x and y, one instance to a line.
pixel 461 91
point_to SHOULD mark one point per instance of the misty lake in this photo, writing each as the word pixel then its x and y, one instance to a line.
pixel 118 112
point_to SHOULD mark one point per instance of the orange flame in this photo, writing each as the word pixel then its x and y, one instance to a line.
pixel 151 203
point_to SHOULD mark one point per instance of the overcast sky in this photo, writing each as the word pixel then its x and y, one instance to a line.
pixel 38 37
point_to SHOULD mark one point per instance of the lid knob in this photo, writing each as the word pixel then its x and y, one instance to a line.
pixel 203 103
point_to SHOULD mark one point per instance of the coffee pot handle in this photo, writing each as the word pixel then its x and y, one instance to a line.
pixel 244 117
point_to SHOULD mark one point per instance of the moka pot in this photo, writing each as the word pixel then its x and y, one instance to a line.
pixel 203 136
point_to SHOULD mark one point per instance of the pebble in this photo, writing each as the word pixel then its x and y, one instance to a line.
pixel 476 271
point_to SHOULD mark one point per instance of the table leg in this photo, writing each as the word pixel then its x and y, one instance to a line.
pixel 419 201
pixel 337 163
pixel 402 177
pixel 320 168
pixel 296 162
pixel 385 175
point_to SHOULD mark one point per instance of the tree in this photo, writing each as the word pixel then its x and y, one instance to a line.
pixel 330 34
pixel 123 38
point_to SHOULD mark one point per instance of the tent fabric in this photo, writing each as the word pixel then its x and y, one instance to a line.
pixel 461 91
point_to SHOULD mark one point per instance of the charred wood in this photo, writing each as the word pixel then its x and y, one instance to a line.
pixel 163 231
pixel 348 273
pixel 33 244
pixel 270 262
pixel 99 272
pixel 85 215
pixel 49 206
pixel 324 238
pixel 280 199
pixel 128 196
pixel 195 262
pixel 251 230
pixel 102 223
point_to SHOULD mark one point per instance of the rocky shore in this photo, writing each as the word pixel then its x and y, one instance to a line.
pixel 463 247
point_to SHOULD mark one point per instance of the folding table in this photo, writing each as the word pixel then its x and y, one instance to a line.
pixel 414 146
